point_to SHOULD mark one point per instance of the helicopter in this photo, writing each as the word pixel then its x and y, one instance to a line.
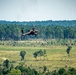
pixel 33 31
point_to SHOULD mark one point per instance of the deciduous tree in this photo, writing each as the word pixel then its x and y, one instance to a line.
pixel 22 54
pixel 68 50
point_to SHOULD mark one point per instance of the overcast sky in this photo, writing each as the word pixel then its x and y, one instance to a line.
pixel 34 10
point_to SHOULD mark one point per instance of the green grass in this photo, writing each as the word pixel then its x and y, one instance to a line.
pixel 56 56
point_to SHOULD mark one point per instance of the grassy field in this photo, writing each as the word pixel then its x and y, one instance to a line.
pixel 56 56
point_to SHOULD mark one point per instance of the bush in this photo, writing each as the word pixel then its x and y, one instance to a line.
pixel 61 71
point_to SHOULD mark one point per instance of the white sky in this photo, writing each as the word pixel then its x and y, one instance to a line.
pixel 34 10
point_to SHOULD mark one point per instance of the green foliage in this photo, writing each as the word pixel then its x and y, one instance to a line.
pixel 68 50
pixel 39 53
pixel 5 71
pixel 72 71
pixel 23 70
pixel 61 71
pixel 13 31
pixel 22 54
pixel 27 71
pixel 44 69
pixel 14 72
pixel 35 54
pixel 6 63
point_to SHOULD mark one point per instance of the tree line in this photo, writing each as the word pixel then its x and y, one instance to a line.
pixel 44 23
pixel 13 32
